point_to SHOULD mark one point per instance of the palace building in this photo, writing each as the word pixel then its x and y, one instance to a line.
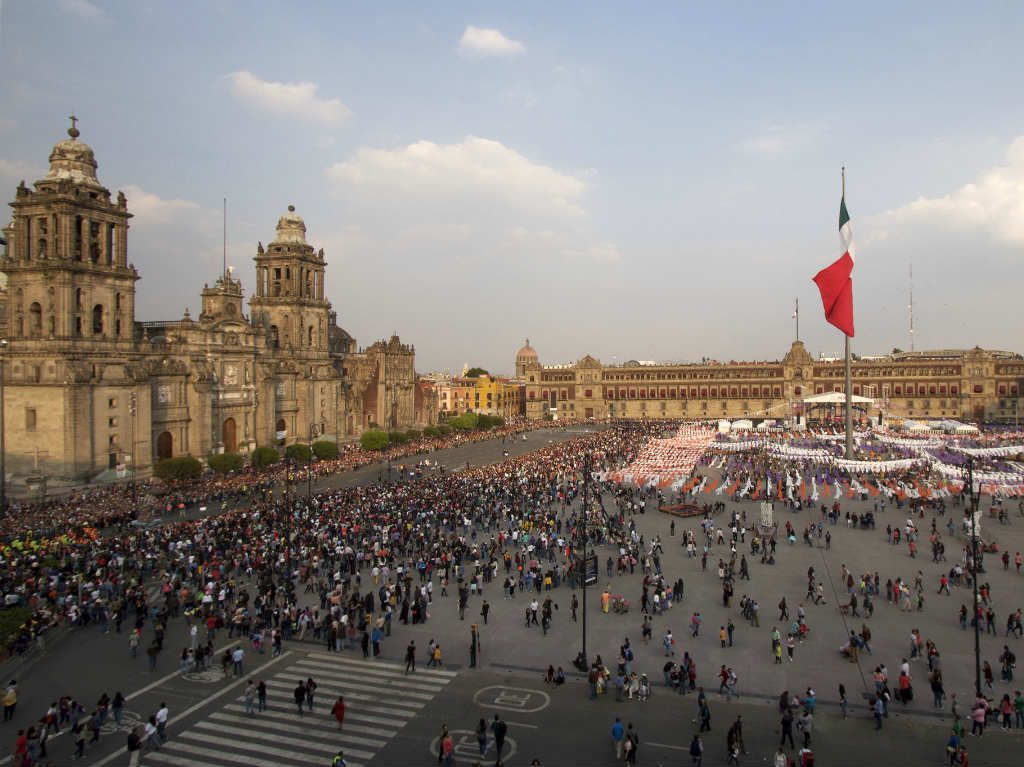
pixel 88 389
pixel 973 384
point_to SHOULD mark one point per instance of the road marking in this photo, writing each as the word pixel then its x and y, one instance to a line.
pixel 666 745
pixel 522 724
pixel 523 699
pixel 119 753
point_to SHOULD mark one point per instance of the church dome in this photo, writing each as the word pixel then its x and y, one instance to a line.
pixel 73 159
pixel 291 227
pixel 526 352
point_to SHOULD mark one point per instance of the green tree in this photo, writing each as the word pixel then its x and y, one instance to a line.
pixel 374 439
pixel 397 438
pixel 432 431
pixel 465 422
pixel 298 451
pixel 413 434
pixel 325 450
pixel 443 430
pixel 181 467
pixel 222 463
pixel 476 373
pixel 264 456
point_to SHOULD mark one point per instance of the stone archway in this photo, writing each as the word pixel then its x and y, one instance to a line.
pixel 229 437
pixel 164 445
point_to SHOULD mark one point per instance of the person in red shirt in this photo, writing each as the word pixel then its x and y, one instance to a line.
pixel 20 749
pixel 338 710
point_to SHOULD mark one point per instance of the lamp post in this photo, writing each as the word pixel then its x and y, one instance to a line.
pixel 309 465
pixel 132 409
pixel 586 538
pixel 3 451
pixel 974 574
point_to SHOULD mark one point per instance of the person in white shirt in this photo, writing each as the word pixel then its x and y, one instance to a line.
pixel 161 722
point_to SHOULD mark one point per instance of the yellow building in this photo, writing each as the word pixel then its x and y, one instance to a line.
pixel 495 396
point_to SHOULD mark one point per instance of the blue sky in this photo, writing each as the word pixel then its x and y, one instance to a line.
pixel 648 185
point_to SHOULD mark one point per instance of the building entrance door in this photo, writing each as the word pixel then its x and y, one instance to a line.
pixel 164 445
pixel 228 436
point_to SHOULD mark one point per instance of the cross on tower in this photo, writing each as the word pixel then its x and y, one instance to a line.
pixel 74 121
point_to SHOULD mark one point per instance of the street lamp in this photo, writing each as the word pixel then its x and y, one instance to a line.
pixel 3 452
pixel 132 409
pixel 973 497
pixel 309 464
pixel 586 537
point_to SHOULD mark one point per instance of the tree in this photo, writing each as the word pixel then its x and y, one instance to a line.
pixel 299 451
pixel 325 450
pixel 397 438
pixel 465 422
pixel 413 434
pixel 263 457
pixel 181 467
pixel 432 431
pixel 222 463
pixel 476 373
pixel 374 439
pixel 485 421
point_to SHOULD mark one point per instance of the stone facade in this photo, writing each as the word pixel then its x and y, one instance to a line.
pixel 975 384
pixel 87 389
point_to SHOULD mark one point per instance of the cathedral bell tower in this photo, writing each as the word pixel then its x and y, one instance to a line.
pixel 69 280
pixel 289 298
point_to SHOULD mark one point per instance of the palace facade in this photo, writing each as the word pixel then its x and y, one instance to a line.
pixel 88 389
pixel 973 384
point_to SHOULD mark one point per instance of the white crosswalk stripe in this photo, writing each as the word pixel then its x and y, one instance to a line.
pixel 380 699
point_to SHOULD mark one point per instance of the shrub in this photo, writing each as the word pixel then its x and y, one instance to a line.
pixel 299 452
pixel 374 439
pixel 465 422
pixel 325 450
pixel 181 467
pixel 397 438
pixel 222 463
pixel 431 431
pixel 489 421
pixel 413 434
pixel 443 430
pixel 264 456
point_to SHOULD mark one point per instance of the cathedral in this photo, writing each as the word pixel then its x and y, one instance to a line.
pixel 90 392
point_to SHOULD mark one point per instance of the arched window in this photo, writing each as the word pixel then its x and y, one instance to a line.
pixel 97 320
pixel 35 324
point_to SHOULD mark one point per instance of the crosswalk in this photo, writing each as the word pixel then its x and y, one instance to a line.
pixel 380 700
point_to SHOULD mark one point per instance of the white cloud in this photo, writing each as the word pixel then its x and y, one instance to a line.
pixel 464 202
pixel 477 41
pixel 469 170
pixel 775 140
pixel 81 8
pixel 297 100
pixel 993 203
pixel 150 209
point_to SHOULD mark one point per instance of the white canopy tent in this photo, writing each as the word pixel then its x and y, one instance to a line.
pixel 836 398
pixel 743 424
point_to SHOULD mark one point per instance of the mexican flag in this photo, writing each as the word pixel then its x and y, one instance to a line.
pixel 834 281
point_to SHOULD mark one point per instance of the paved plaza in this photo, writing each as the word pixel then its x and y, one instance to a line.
pixel 394 718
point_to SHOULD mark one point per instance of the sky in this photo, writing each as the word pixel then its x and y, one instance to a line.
pixel 659 184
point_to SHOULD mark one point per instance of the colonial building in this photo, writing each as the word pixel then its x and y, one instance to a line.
pixel 973 384
pixel 87 388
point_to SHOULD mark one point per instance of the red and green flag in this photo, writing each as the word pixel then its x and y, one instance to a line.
pixel 835 283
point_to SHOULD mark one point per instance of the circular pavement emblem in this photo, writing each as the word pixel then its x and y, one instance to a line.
pixel 129 721
pixel 204 677
pixel 521 699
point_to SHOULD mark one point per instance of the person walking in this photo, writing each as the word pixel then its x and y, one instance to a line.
pixel 10 700
pixel 310 691
pixel 787 728
pixel 338 711
pixel 498 728
pixel 697 751
pixel 249 696
pixel 261 696
pixel 618 738
pixel 162 715
pixel 481 736
pixel 299 695
pixel 410 657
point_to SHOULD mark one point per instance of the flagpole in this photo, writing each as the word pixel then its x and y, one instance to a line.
pixel 796 316
pixel 847 376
